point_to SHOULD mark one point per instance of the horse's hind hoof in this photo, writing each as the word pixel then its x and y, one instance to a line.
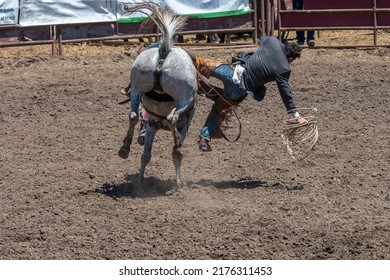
pixel 123 152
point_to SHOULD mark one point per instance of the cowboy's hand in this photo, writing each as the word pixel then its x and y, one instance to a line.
pixel 302 120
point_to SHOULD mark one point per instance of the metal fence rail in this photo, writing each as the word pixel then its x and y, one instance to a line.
pixel 57 35
pixel 371 15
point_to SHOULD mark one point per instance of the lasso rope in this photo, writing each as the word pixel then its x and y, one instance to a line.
pixel 300 138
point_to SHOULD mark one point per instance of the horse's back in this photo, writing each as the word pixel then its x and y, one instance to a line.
pixel 178 73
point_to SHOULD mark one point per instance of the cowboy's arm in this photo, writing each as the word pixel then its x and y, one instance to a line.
pixel 287 98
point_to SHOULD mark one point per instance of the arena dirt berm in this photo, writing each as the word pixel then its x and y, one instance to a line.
pixel 65 194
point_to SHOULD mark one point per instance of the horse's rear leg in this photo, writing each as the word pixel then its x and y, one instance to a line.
pixel 133 119
pixel 172 119
pixel 147 154
pixel 125 149
pixel 177 156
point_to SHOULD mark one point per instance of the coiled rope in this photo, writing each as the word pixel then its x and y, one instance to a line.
pixel 300 139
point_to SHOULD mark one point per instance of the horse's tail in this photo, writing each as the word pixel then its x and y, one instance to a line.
pixel 167 23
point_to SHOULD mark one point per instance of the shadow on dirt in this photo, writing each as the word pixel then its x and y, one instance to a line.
pixel 154 187
pixel 150 187
pixel 242 183
pixel 249 183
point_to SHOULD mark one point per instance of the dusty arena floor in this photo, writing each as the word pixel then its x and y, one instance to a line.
pixel 65 194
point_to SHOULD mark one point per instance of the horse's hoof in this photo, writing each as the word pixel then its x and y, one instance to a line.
pixel 123 152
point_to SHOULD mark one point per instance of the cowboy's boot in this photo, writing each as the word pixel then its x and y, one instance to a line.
pixel 205 65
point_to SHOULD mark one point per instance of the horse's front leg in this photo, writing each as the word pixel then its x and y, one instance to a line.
pixel 133 119
pixel 147 154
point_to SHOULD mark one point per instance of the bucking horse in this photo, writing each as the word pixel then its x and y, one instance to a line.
pixel 164 79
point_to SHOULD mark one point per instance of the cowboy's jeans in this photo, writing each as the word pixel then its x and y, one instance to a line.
pixel 233 94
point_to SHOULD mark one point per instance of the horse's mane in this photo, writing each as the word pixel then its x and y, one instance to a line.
pixel 164 18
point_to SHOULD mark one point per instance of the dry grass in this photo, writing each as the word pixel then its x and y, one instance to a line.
pixel 348 37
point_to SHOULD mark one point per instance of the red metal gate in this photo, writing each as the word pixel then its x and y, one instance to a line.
pixel 337 15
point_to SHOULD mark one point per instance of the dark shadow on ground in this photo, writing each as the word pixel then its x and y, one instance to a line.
pixel 250 183
pixel 154 187
pixel 150 187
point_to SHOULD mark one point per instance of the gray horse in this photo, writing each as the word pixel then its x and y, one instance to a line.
pixel 164 79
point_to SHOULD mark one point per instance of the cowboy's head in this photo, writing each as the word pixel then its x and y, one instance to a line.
pixel 293 51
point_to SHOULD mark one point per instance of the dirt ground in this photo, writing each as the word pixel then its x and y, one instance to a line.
pixel 65 193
